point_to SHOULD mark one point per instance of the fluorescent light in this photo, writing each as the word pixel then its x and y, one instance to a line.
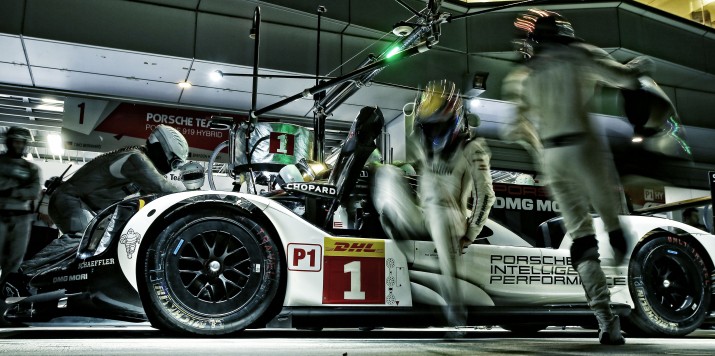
pixel 50 108
pixel 184 85
pixel 474 104
pixel 637 139
pixel 216 75
pixel 51 101
pixel 54 142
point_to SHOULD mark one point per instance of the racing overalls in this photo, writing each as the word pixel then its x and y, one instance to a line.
pixel 19 187
pixel 101 182
pixel 444 189
pixel 551 92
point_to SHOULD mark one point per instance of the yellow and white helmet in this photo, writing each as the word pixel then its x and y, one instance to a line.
pixel 439 116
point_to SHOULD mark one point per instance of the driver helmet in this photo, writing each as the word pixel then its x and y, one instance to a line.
pixel 541 26
pixel 17 134
pixel 440 122
pixel 192 175
pixel 167 148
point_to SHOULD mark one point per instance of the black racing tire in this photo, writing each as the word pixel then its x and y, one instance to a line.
pixel 669 286
pixel 524 329
pixel 210 273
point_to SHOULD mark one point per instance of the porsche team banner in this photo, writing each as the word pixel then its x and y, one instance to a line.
pixel 102 126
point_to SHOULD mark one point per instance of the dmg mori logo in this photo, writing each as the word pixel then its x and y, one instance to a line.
pixel 353 247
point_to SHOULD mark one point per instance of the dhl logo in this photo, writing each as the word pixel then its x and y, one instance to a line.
pixel 353 247
pixel 336 246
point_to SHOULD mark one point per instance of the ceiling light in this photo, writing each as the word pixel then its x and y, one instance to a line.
pixel 54 142
pixel 51 101
pixel 184 85
pixel 50 108
pixel 402 29
pixel 216 75
pixel 637 139
pixel 474 104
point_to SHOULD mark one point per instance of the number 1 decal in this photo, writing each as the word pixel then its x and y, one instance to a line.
pixel 354 293
pixel 81 113
pixel 283 144
pixel 353 271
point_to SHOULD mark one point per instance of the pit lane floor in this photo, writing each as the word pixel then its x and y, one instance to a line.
pixel 143 340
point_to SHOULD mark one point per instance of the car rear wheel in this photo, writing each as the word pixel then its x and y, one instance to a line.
pixel 669 286
pixel 210 273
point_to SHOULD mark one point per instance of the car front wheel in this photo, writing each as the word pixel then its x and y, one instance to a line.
pixel 210 273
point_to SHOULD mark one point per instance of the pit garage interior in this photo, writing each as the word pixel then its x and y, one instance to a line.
pixel 166 54
pixel 140 51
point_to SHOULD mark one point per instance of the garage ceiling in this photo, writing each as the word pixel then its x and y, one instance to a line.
pixel 139 50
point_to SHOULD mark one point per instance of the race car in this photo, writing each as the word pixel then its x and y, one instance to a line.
pixel 213 263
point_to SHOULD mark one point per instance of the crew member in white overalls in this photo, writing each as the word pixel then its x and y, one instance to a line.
pixel 115 175
pixel 453 164
pixel 551 90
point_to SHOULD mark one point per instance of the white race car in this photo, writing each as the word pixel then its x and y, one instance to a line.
pixel 211 263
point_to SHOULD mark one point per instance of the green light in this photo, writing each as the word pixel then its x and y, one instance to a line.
pixel 392 52
pixel 674 132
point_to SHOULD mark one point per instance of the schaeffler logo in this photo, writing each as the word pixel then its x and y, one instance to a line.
pixel 353 247
pixel 130 240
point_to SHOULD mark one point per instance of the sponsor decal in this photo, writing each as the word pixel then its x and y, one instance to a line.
pixel 10 290
pixel 96 263
pixel 523 197
pixel 70 278
pixel 130 241
pixel 181 315
pixel 313 188
pixel 545 270
pixel 354 271
pixel 355 247
pixel 270 257
pixel 305 257
pixel 527 204
pixel 698 260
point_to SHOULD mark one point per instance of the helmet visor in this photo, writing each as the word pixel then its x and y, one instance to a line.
pixel 438 134
pixel 175 162
pixel 193 176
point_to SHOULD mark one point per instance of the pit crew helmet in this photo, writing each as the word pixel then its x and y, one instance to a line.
pixel 192 175
pixel 440 123
pixel 18 134
pixel 167 148
pixel 541 26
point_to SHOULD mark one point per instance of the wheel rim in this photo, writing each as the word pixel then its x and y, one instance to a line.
pixel 214 267
pixel 673 284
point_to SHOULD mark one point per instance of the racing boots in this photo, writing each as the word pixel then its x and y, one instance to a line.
pixel 609 332
pixel 599 299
